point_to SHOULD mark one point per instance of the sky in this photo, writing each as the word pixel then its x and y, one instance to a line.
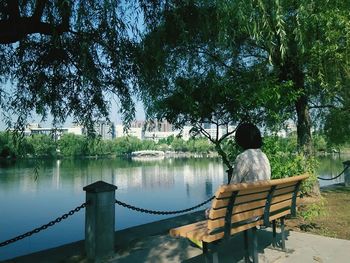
pixel 114 116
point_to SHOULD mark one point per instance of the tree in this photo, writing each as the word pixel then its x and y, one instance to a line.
pixel 305 42
pixel 337 127
pixel 67 58
pixel 128 144
pixel 42 145
pixel 297 50
pixel 188 75
pixel 71 145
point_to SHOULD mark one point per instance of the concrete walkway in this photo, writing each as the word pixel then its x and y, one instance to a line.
pixel 151 243
pixel 301 247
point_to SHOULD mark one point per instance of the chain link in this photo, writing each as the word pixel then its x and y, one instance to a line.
pixel 329 179
pixel 43 227
pixel 155 212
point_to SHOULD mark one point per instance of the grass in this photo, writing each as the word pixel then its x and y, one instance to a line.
pixel 328 215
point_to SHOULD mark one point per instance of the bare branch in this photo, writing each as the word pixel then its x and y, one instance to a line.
pixel 226 135
pixel 11 31
pixel 326 106
pixel 204 132
pixel 16 28
pixel 13 9
pixel 39 9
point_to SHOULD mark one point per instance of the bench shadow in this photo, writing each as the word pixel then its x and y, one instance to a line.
pixel 233 250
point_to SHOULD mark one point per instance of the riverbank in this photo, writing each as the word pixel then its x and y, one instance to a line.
pixel 151 243
pixel 326 216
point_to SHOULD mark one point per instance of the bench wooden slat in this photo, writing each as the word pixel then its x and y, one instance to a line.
pixel 183 230
pixel 286 185
pixel 282 204
pixel 284 181
pixel 250 198
pixel 197 234
pixel 211 238
pixel 244 192
pixel 220 203
pixel 251 191
pixel 212 224
pixel 214 214
pixel 279 215
pixel 286 190
pixel 280 198
pixel 248 206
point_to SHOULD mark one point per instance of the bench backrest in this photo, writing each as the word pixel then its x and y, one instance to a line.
pixel 237 207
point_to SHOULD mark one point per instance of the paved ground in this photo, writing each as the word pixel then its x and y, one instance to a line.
pixel 302 248
pixel 151 243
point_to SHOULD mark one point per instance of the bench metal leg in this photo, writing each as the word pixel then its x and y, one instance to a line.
pixel 209 256
pixel 283 235
pixel 274 241
pixel 246 246
pixel 204 247
pixel 255 246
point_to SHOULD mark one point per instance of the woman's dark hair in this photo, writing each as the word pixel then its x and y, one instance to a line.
pixel 248 136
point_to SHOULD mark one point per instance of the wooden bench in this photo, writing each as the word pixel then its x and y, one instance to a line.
pixel 239 207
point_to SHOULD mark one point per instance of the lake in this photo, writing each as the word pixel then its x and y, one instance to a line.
pixel 34 193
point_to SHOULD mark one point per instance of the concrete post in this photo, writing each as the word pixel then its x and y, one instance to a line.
pixel 347 173
pixel 99 220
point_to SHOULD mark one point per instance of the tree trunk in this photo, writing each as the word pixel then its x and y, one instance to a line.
pixel 226 161
pixel 303 125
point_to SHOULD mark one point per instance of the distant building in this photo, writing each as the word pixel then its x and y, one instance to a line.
pixel 106 130
pixel 56 133
pixel 149 130
pixel 156 130
pixel 135 132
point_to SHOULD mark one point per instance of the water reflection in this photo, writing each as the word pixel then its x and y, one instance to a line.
pixel 30 199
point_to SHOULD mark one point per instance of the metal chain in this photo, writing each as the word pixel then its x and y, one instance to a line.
pixel 37 230
pixel 329 179
pixel 154 212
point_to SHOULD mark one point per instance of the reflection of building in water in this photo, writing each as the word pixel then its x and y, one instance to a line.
pixel 158 176
pixel 200 178
pixel 128 178
pixel 144 177
pixel 56 175
pixel 196 177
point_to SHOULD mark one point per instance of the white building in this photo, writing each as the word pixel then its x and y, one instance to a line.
pixel 135 132
pixel 56 133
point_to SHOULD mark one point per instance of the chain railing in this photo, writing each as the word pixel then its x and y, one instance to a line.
pixel 330 179
pixel 155 212
pixel 43 227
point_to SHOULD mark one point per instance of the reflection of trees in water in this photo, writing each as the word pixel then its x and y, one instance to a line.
pixel 121 172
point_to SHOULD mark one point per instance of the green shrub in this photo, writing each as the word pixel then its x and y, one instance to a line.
pixel 313 210
pixel 286 161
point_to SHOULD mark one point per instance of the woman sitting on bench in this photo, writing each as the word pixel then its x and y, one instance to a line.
pixel 252 164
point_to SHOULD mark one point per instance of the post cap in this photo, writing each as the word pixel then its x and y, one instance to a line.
pixel 347 162
pixel 99 187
